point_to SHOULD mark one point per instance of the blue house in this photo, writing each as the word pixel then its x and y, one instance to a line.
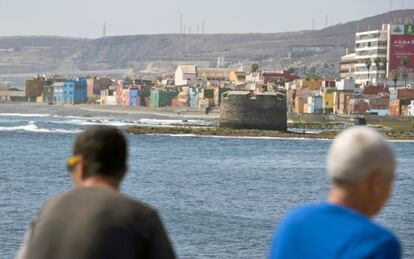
pixel 75 91
pixel 315 104
pixel 133 96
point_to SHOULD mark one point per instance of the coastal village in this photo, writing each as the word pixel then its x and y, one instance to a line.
pixel 377 77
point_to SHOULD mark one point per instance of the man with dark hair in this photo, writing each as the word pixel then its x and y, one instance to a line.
pixel 94 220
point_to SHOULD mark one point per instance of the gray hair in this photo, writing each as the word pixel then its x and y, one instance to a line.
pixel 356 153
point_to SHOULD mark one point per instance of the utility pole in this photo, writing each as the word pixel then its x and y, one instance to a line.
pixel 104 30
pixel 203 27
pixel 391 5
pixel 181 23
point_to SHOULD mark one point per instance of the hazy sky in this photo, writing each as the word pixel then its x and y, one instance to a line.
pixel 85 18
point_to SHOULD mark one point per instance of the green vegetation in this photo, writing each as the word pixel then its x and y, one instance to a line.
pixel 404 63
pixel 368 63
pixel 311 76
pixel 254 67
pixel 395 78
pixel 377 62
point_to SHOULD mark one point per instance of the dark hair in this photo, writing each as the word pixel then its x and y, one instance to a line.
pixel 104 149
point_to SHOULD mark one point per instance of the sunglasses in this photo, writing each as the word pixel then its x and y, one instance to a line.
pixel 72 161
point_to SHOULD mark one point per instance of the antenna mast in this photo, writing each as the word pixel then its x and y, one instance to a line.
pixel 104 30
pixel 181 23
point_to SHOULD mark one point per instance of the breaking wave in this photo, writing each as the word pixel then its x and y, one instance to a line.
pixel 42 115
pixel 32 127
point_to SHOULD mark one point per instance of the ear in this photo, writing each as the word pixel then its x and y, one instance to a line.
pixel 376 183
pixel 83 169
pixel 76 174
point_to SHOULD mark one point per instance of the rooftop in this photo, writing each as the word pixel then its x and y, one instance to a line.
pixel 188 69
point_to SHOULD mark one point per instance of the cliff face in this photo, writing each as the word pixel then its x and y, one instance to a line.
pixel 315 51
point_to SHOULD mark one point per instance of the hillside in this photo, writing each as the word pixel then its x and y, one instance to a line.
pixel 308 51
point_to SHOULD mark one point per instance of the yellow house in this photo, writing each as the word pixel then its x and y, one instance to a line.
pixel 313 85
pixel 300 102
pixel 39 99
pixel 238 77
pixel 328 101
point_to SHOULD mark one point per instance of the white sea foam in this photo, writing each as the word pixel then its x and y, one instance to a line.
pixel 122 123
pixel 94 121
pixel 401 140
pixel 32 127
pixel 25 114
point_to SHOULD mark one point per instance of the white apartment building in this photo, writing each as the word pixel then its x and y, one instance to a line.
pixel 371 45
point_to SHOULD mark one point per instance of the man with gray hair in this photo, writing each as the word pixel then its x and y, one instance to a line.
pixel 361 167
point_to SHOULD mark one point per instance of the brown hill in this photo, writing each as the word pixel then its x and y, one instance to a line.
pixel 315 51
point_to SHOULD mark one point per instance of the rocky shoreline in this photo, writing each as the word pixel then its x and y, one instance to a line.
pixel 214 131
pixel 312 129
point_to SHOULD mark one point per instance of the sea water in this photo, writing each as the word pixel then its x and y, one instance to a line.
pixel 218 197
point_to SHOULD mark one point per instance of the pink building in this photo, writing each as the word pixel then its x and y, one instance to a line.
pixel 119 95
pixel 95 85
pixel 125 97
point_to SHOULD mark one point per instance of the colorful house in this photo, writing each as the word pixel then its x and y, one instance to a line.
pixel 48 92
pixel 96 85
pixel 313 85
pixel 194 97
pixel 161 98
pixel 58 92
pixel 133 96
pixel 119 95
pixel 358 105
pixel 237 77
pixel 125 97
pixel 328 101
pixel 300 102
pixel 185 75
pixel 341 100
pixel 278 77
pixel 75 91
pixel 314 104
pixel 34 88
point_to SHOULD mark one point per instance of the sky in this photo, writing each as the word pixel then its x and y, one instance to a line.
pixel 86 18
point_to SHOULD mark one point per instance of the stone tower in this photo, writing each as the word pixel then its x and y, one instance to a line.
pixel 248 110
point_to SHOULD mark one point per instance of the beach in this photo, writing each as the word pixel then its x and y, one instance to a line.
pixel 170 121
pixel 93 110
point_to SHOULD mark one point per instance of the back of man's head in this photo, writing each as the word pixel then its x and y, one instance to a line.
pixel 356 153
pixel 104 150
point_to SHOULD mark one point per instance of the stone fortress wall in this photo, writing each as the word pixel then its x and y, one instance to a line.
pixel 252 110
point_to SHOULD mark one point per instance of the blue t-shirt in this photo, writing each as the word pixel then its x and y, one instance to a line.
pixel 330 231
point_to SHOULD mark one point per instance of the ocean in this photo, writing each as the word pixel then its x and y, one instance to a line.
pixel 219 197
